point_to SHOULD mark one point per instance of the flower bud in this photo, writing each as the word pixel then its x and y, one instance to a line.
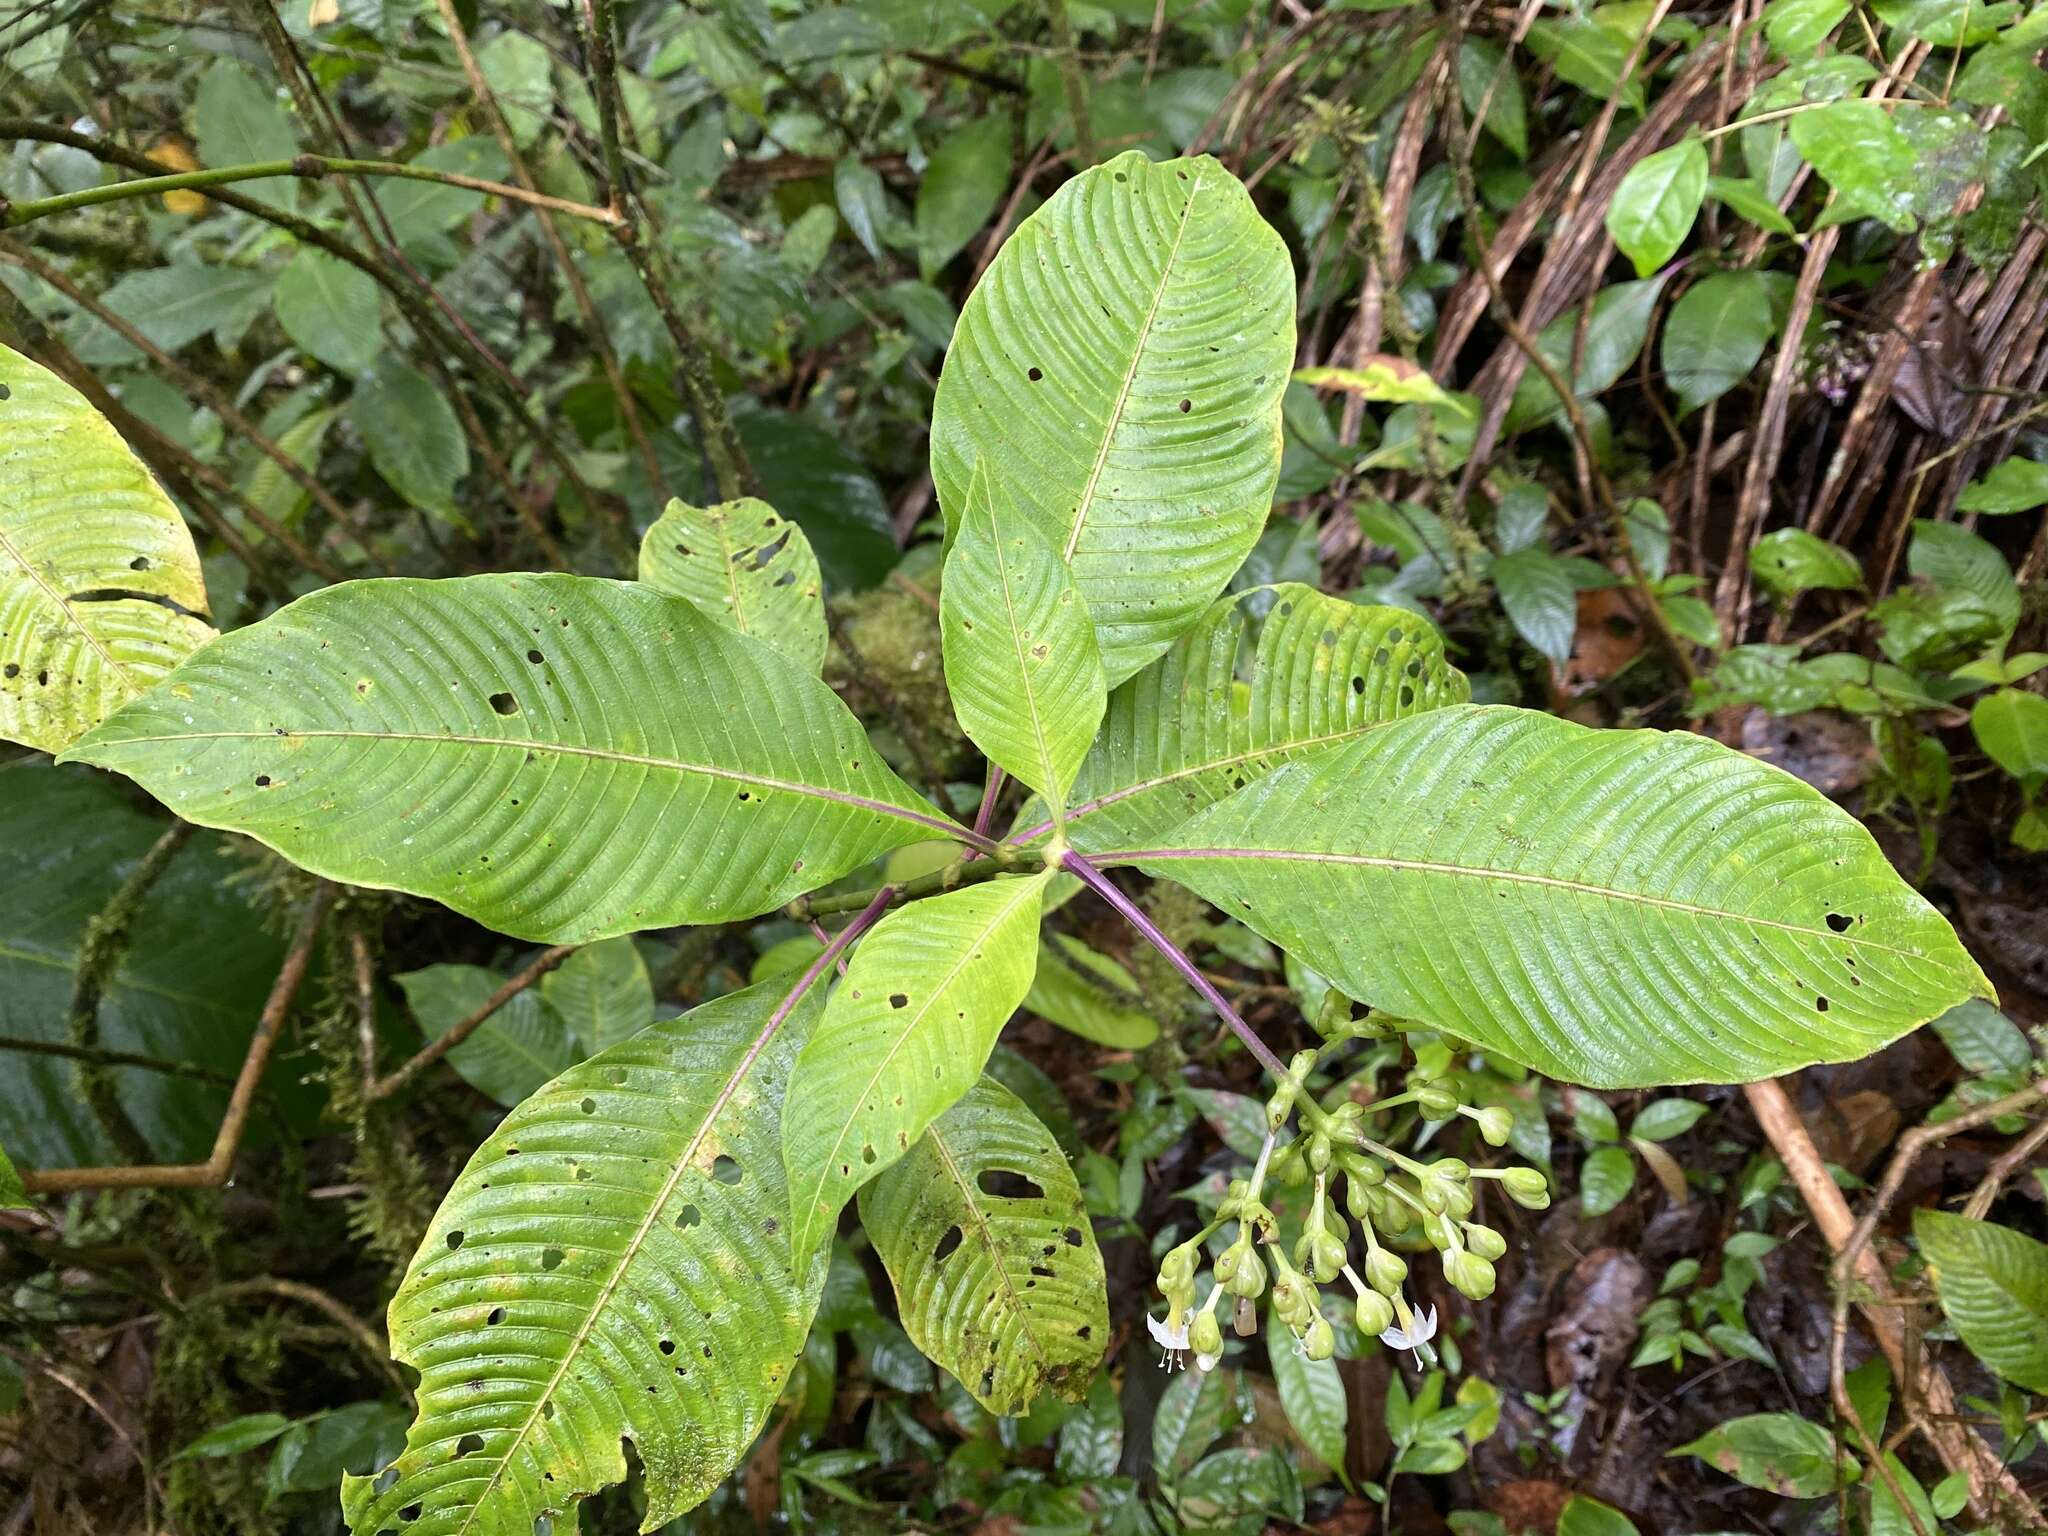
pixel 1437 1231
pixel 1527 1187
pixel 1333 1019
pixel 1457 1201
pixel 1248 1279
pixel 1205 1334
pixel 1455 1169
pixel 1385 1271
pixel 1496 1124
pixel 1319 1341
pixel 1327 1258
pixel 1375 1314
pixel 1484 1241
pixel 1436 1101
pixel 1318 1151
pixel 1392 1217
pixel 1470 1274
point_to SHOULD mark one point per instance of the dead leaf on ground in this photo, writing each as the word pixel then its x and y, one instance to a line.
pixel 1855 1130
pixel 1529 1506
pixel 1608 638
pixel 1585 1346
pixel 1831 752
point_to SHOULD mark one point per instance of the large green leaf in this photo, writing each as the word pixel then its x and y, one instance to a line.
pixel 609 1266
pixel 602 993
pixel 1021 659
pixel 1312 1393
pixel 1123 362
pixel 100 591
pixel 1616 908
pixel 414 438
pixel 747 568
pixel 559 757
pixel 514 1053
pixel 1654 207
pixel 1229 702
pixel 331 310
pixel 1089 994
pixel 1001 1285
pixel 1993 1284
pixel 906 1033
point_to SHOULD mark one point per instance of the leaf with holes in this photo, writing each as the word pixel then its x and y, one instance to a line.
pixel 602 993
pixel 100 590
pixel 906 1033
pixel 559 757
pixel 1021 660
pixel 1614 908
pixel 1993 1285
pixel 611 1265
pixel 513 1053
pixel 986 1239
pixel 1122 364
pixel 747 568
pixel 1229 703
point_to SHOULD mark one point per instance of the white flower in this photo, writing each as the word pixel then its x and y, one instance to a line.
pixel 1174 1342
pixel 1414 1331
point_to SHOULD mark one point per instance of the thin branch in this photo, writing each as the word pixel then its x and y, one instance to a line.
pixel 971 870
pixel 1104 887
pixel 228 1140
pixel 302 167
pixel 384 1087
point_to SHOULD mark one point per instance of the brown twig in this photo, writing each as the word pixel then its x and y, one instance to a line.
pixel 384 1087
pixel 228 1140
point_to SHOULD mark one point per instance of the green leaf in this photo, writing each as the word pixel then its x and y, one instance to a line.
pixel 331 310
pixel 1993 1285
pixel 1794 27
pixel 1089 994
pixel 1655 205
pixel 1982 1039
pixel 1312 1394
pixel 1124 360
pixel 81 519
pixel 1615 908
pixel 1887 1516
pixel 2011 726
pixel 602 993
pixel 1588 56
pixel 1390 379
pixel 419 209
pixel 1222 708
pixel 1953 557
pixel 513 1053
pixel 1614 335
pixel 269 488
pixel 2015 485
pixel 560 758
pixel 745 567
pixel 1791 561
pixel 515 66
pixel 609 1264
pixel 1536 590
pixel 1486 77
pixel 1605 1180
pixel 414 439
pixel 1005 1290
pixel 1662 1119
pixel 1777 1452
pixel 235 1436
pixel 173 307
pixel 1860 152
pixel 13 1194
pixel 239 120
pixel 1582 1516
pixel 1750 200
pixel 966 177
pixel 906 1033
pixel 1021 660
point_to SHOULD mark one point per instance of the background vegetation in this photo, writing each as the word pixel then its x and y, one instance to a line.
pixel 1744 315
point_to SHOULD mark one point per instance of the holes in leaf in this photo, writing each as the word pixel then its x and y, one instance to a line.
pixel 535 657
pixel 263 781
pixel 551 1258
pixel 1407 694
pixel 1839 921
pixel 616 1076
pixel 410 1513
pixel 867 1154
pixel 667 1346
pixel 1820 1005
pixel 504 704
pixel 455 1239
pixel 688 1217
pixel 497 1316
pixel 1357 684
pixel 1004 1184
pixel 1074 1237
pixel 726 1171
pixel 139 563
pixel 12 670
pixel 1186 406
pixel 898 1000
pixel 387 1479
pixel 1033 374
pixel 1041 1271
pixel 469 1444
pixel 950 1240
pixel 588 1106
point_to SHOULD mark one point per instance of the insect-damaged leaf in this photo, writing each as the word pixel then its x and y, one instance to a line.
pixel 746 567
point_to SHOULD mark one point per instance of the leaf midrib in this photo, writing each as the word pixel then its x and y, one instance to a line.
pixel 1046 767
pixel 1517 877
pixel 988 1242
pixel 62 604
pixel 1083 506
pixel 564 749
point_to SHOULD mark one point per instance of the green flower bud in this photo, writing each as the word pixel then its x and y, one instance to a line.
pixel 1393 1217
pixel 1457 1201
pixel 1484 1241
pixel 1326 1257
pixel 1455 1169
pixel 1375 1314
pixel 1434 1192
pixel 1527 1187
pixel 1319 1342
pixel 1437 1231
pixel 1248 1278
pixel 1384 1272
pixel 1496 1124
pixel 1436 1101
pixel 1318 1151
pixel 1205 1334
pixel 1362 1169
pixel 1333 1019
pixel 1471 1275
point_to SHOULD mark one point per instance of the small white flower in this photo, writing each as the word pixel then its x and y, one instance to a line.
pixel 1174 1344
pixel 1414 1331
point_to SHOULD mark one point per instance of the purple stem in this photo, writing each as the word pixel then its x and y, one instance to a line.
pixel 834 948
pixel 987 812
pixel 1102 886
